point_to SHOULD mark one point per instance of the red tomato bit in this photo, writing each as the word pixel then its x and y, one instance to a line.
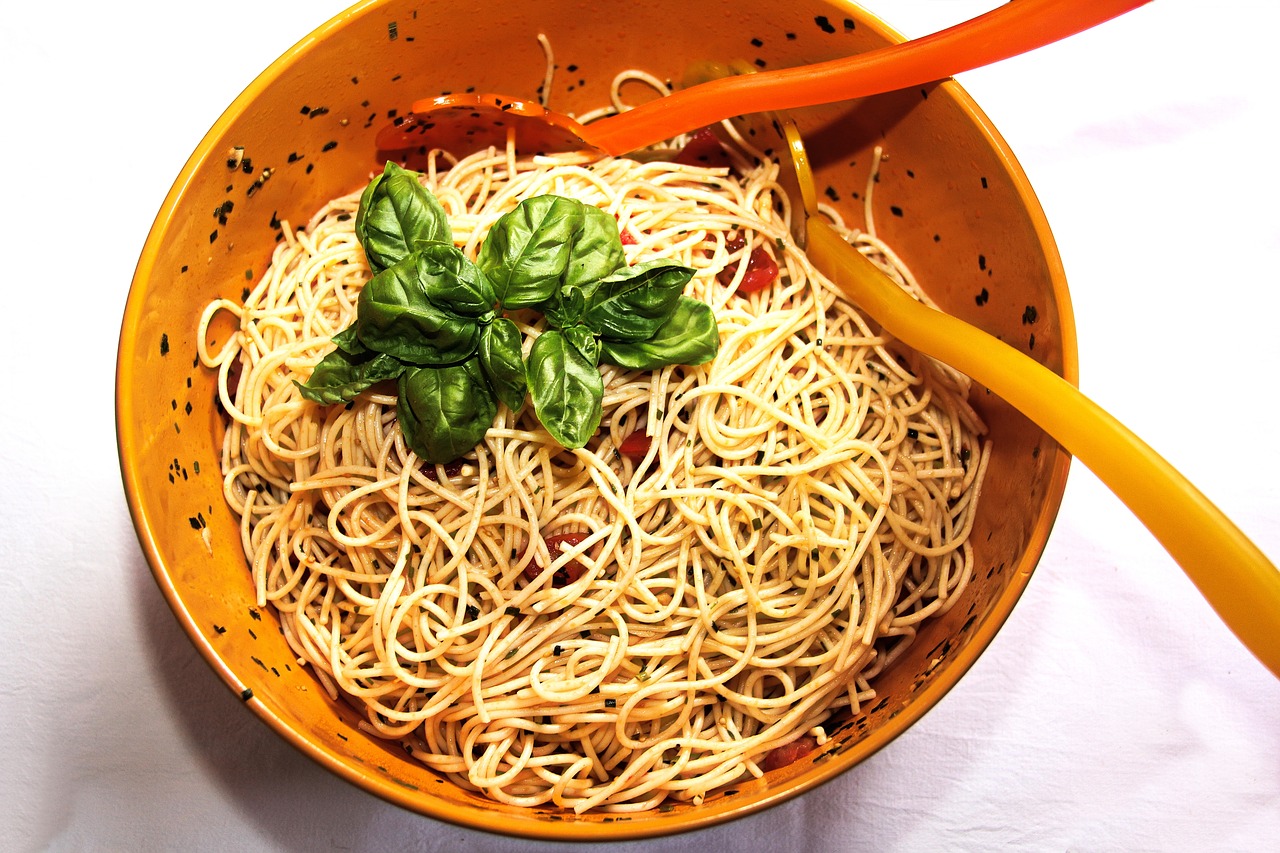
pixel 451 470
pixel 704 149
pixel 625 235
pixel 761 272
pixel 556 545
pixel 234 373
pixel 787 753
pixel 635 446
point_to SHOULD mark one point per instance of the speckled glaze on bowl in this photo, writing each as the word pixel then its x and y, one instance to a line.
pixel 951 199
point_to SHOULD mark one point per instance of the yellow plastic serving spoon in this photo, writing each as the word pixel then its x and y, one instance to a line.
pixel 1232 574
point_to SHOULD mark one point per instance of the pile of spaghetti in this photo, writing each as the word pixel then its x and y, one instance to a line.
pixel 728 563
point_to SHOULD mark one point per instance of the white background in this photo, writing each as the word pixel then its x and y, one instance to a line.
pixel 1113 712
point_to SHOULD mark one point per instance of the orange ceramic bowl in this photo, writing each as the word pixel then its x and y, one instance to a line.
pixel 952 201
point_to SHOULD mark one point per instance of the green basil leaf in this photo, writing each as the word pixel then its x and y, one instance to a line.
pixel 548 241
pixel 503 362
pixel 565 307
pixel 450 281
pixel 395 316
pixel 340 377
pixel 348 342
pixel 597 250
pixel 584 341
pixel 527 250
pixel 444 412
pixel 567 389
pixel 632 304
pixel 396 215
pixel 689 336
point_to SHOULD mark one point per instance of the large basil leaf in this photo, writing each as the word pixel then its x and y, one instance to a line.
pixel 339 376
pixel 396 215
pixel 503 361
pixel 597 250
pixel 526 251
pixel 546 242
pixel 632 304
pixel 567 389
pixel 689 336
pixel 395 316
pixel 450 281
pixel 444 412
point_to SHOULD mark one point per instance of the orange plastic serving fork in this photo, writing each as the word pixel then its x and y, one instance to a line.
pixel 469 121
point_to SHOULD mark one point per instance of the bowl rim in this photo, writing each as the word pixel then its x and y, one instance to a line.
pixel 129 437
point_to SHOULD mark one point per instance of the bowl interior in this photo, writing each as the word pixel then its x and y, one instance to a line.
pixel 951 200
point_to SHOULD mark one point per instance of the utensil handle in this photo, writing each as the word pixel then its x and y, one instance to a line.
pixel 1006 31
pixel 1232 574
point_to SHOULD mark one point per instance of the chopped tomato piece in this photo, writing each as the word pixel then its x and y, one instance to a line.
pixel 451 470
pixel 570 571
pixel 787 753
pixel 635 446
pixel 234 373
pixel 704 149
pixel 762 271
pixel 625 235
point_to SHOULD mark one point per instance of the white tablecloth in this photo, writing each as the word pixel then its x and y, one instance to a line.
pixel 1114 711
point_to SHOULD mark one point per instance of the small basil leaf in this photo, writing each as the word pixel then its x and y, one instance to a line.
pixel 565 307
pixel 633 303
pixel 450 281
pixel 348 342
pixel 396 215
pixel 444 412
pixel 395 316
pixel 339 376
pixel 503 362
pixel 597 249
pixel 584 341
pixel 527 250
pixel 567 389
pixel 689 336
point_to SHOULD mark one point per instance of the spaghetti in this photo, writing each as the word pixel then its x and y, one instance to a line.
pixel 595 629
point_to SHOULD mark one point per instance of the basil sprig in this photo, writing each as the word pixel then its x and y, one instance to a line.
pixel 431 319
